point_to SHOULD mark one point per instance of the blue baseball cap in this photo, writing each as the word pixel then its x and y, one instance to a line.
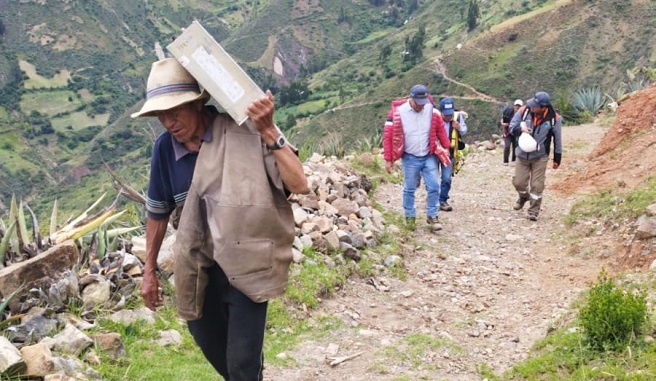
pixel 420 94
pixel 447 106
pixel 540 99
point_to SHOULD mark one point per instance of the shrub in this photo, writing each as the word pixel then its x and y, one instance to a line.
pixel 612 317
pixel 563 106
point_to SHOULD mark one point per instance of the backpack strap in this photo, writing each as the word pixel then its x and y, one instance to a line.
pixel 526 112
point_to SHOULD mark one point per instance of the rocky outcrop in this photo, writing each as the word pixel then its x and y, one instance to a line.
pixel 38 272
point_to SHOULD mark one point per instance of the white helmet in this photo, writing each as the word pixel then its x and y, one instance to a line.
pixel 527 143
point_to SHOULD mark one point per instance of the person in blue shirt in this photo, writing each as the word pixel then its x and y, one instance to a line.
pixel 230 331
pixel 455 124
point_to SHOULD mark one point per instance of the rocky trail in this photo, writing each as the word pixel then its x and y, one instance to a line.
pixel 481 291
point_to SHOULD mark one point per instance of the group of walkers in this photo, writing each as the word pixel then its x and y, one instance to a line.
pixel 426 137
pixel 234 235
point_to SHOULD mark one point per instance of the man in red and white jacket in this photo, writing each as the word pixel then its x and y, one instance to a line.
pixel 415 133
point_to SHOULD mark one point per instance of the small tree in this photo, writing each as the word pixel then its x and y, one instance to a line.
pixel 414 47
pixel 343 16
pixel 413 5
pixel 385 52
pixel 472 15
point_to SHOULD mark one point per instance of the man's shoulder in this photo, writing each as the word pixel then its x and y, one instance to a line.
pixel 223 120
pixel 402 104
pixel 508 109
pixel 163 141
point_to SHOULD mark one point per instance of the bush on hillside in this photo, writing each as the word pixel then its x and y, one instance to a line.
pixel 612 317
pixel 564 107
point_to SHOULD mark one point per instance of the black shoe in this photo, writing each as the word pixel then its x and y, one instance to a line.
pixel 445 207
pixel 532 217
pixel 519 204
pixel 410 223
pixel 433 223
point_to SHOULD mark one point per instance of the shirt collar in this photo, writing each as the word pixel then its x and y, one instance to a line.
pixel 181 151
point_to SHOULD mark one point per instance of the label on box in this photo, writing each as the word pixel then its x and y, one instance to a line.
pixel 215 71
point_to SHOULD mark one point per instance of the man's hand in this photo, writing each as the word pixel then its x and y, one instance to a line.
pixel 150 290
pixel 455 124
pixel 524 127
pixel 261 113
pixel 388 166
pixel 557 158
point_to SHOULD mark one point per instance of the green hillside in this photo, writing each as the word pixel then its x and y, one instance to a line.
pixel 71 73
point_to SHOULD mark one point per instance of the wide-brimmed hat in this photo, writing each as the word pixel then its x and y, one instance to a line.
pixel 169 85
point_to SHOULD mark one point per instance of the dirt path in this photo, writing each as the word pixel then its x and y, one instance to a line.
pixel 441 69
pixel 482 291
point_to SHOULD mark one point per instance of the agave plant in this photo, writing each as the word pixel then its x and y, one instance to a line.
pixel 15 240
pixel 5 319
pixel 334 147
pixel 369 144
pixel 590 100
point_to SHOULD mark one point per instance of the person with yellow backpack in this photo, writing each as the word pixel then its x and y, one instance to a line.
pixel 454 123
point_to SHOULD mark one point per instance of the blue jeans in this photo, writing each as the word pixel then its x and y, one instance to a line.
pixel 447 175
pixel 427 167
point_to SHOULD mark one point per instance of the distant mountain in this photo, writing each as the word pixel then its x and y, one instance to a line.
pixel 72 71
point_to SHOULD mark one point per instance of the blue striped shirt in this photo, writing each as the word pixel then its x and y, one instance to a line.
pixel 171 169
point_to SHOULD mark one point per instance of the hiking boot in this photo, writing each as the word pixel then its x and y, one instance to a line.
pixel 532 217
pixel 433 224
pixel 410 223
pixel 519 204
pixel 445 207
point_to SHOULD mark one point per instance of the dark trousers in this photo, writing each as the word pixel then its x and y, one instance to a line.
pixel 231 331
pixel 509 143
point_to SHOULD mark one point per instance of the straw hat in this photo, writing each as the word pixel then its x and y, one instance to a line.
pixel 169 85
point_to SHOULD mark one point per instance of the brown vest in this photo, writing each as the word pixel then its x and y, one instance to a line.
pixel 237 215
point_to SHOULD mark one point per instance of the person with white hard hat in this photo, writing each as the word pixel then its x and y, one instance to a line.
pixel 535 126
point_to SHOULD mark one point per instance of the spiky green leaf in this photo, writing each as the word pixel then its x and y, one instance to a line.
pixel 70 226
pixel 13 213
pixel 4 244
pixel 102 242
pixel 113 233
pixel 36 232
pixel 53 219
pixel 86 228
pixel 113 218
pixel 23 238
pixel 7 300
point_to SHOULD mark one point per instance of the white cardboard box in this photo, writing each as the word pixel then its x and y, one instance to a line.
pixel 215 70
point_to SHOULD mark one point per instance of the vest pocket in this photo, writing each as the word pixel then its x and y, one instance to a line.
pixel 246 257
pixel 190 282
